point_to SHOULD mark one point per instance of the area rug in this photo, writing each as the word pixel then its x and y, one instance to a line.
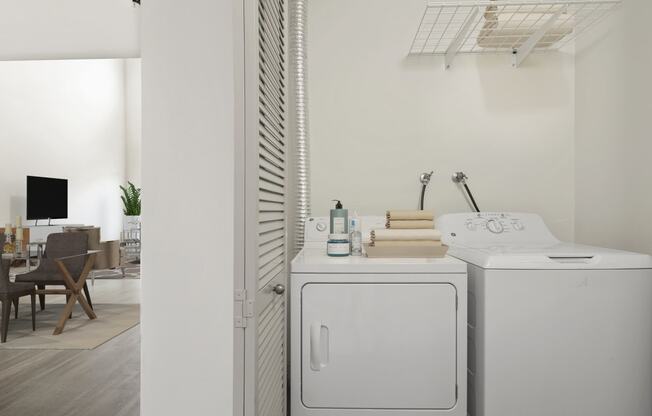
pixel 80 333
pixel 131 272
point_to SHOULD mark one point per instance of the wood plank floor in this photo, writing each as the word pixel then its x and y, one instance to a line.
pixel 100 382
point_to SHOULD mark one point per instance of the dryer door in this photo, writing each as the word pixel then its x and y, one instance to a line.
pixel 379 346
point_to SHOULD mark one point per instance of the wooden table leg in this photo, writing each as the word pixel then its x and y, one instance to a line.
pixel 86 307
pixel 67 310
pixel 75 290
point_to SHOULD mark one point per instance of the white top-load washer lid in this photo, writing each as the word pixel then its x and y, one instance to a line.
pixel 314 259
pixel 522 241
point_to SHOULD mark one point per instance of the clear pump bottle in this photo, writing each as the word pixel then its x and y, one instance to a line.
pixel 356 237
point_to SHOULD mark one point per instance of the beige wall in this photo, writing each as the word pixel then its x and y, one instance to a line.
pixel 65 29
pixel 613 134
pixel 133 120
pixel 378 119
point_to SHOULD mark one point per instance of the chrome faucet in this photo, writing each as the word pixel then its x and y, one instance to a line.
pixel 460 179
pixel 425 180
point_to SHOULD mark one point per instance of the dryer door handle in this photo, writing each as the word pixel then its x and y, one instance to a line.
pixel 319 346
pixel 315 346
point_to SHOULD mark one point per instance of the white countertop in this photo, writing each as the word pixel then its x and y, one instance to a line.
pixel 315 260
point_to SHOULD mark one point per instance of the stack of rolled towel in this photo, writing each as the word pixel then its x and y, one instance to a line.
pixel 408 229
pixel 410 220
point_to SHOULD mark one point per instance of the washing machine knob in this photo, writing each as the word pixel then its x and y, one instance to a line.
pixel 518 226
pixel 321 227
pixel 495 226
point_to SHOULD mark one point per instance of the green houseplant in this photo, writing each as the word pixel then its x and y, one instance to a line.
pixel 131 200
pixel 131 207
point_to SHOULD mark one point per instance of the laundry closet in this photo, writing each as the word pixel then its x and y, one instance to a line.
pixel 517 130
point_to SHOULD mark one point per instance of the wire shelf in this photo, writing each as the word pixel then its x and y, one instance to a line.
pixel 505 26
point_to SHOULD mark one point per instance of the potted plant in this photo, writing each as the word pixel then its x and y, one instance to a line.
pixel 131 206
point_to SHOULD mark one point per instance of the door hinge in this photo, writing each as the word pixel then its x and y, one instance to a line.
pixel 244 308
pixel 249 308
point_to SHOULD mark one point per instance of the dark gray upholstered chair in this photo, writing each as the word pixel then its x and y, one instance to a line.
pixel 9 294
pixel 48 274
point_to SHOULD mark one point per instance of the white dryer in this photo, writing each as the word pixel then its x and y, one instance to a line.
pixel 376 337
pixel 555 329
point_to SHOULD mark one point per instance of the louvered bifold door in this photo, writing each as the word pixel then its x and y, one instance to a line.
pixel 266 234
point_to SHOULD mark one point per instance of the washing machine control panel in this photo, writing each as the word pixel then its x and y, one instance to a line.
pixel 493 228
pixel 494 223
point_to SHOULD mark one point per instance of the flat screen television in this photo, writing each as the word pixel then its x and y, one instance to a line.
pixel 46 198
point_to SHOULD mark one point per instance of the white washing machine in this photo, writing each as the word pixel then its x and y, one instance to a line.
pixel 555 329
pixel 373 336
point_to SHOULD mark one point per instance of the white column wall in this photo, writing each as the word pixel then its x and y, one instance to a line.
pixel 188 236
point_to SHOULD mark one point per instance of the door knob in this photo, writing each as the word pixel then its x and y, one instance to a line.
pixel 279 289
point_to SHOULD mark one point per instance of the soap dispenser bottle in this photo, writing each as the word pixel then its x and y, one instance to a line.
pixel 339 219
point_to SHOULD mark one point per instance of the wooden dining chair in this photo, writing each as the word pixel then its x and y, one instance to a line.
pixel 9 294
pixel 59 245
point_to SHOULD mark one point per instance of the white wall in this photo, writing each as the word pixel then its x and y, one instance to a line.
pixel 188 182
pixel 133 120
pixel 64 29
pixel 379 118
pixel 64 119
pixel 614 144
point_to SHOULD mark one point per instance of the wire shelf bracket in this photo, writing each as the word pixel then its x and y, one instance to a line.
pixel 517 27
pixel 456 44
pixel 528 46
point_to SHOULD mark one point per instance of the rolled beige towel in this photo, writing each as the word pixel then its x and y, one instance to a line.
pixel 407 243
pixel 410 224
pixel 410 215
pixel 405 235
pixel 511 26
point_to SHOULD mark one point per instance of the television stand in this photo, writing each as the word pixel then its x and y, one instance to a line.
pixel 49 222
pixel 39 234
